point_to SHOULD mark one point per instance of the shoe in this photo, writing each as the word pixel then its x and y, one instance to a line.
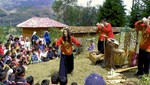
pixel 138 75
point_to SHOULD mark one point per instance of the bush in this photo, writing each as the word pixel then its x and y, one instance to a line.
pixel 54 33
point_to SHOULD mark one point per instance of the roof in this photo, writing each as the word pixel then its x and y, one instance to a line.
pixel 37 22
pixel 88 29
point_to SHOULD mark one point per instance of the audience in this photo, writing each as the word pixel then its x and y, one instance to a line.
pixel 17 53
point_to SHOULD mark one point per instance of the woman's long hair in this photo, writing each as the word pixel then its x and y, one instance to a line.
pixel 68 36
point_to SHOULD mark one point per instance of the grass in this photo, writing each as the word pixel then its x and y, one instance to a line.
pixel 82 68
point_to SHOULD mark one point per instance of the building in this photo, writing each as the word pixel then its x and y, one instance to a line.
pixel 38 24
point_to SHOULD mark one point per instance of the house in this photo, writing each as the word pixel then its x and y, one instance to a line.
pixel 38 24
pixel 81 31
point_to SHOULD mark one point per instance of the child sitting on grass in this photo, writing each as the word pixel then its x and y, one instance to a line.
pixel 92 46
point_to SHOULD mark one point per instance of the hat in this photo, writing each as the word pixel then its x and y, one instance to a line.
pixel 145 20
pixel 94 79
pixel 34 32
pixel 97 23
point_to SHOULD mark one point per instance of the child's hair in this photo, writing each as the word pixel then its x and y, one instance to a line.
pixel 13 55
pixel 45 82
pixel 91 40
pixel 74 83
pixel 8 62
pixel 3 74
pixel 20 70
pixel 63 80
pixel 55 78
pixel 30 80
pixel 19 56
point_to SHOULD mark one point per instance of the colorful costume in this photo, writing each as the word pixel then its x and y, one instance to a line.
pixel 67 59
pixel 105 33
pixel 144 51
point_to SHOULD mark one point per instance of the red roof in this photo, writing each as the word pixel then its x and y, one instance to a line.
pixel 36 22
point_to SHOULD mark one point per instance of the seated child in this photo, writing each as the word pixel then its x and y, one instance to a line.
pixel 43 55
pixel 63 80
pixel 34 58
pixel 30 80
pixel 74 83
pixel 55 78
pixel 20 74
pixel 50 53
pixel 45 82
pixel 92 46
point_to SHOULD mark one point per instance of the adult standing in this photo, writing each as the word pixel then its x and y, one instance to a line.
pixel 47 38
pixel 105 31
pixel 67 59
pixel 34 38
pixel 144 49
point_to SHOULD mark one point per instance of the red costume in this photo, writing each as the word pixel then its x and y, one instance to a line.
pixel 66 47
pixel 106 30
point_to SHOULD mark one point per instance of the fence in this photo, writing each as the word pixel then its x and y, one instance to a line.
pixel 126 37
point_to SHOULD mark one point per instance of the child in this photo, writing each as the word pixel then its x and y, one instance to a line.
pixel 55 78
pixel 45 82
pixel 74 83
pixel 3 80
pixel 34 57
pixel 92 46
pixel 43 55
pixel 50 53
pixel 20 73
pixel 30 80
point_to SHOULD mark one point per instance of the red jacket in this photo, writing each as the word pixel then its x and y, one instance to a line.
pixel 1 51
pixel 106 30
pixel 145 41
pixel 66 47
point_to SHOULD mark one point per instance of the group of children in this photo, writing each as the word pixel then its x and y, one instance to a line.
pixel 17 53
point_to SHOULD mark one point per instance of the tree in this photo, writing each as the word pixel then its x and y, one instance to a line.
pixel 89 16
pixel 146 8
pixel 136 12
pixel 64 9
pixel 114 12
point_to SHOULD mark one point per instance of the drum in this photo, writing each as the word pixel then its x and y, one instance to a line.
pixel 111 45
pixel 113 42
pixel 119 57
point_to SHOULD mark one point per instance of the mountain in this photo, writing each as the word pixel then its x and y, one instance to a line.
pixel 17 11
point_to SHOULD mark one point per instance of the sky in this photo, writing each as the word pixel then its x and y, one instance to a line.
pixel 128 3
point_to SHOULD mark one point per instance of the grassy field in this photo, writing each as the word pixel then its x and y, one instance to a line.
pixel 83 67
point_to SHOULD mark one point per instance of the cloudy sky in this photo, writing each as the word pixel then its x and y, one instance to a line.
pixel 128 3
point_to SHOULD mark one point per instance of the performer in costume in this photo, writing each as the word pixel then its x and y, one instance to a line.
pixel 67 58
pixel 144 50
pixel 105 32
